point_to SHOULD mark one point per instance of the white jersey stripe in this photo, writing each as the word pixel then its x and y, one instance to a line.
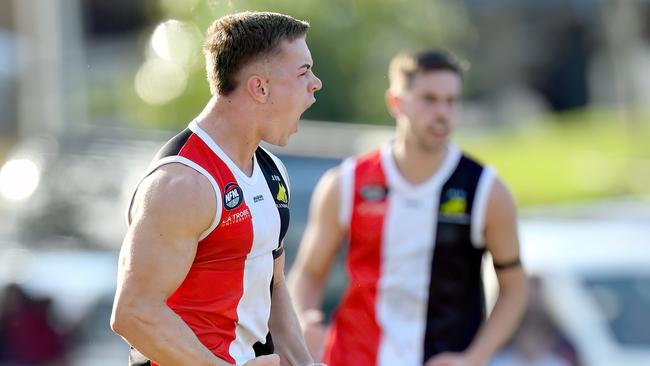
pixel 407 247
pixel 255 304
pixel 254 307
pixel 403 290
pixel 415 191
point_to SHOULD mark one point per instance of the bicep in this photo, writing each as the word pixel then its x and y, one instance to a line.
pixel 153 263
pixel 160 244
pixel 501 234
pixel 324 232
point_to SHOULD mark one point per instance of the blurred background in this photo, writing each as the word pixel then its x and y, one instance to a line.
pixel 557 98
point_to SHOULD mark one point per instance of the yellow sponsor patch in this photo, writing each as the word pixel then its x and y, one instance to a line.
pixel 454 206
pixel 282 194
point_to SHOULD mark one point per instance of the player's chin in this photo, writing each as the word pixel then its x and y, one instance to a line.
pixel 279 141
pixel 282 142
pixel 433 144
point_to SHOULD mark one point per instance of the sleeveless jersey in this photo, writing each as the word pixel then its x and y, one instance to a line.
pixel 226 296
pixel 414 261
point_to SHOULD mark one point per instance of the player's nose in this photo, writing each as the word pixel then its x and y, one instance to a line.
pixel 317 84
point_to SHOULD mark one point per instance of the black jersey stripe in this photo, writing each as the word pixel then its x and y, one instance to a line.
pixel 276 183
pixel 174 145
pixel 265 348
pixel 456 305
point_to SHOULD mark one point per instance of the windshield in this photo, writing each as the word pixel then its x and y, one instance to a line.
pixel 625 302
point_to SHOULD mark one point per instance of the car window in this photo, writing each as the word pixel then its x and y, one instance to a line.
pixel 624 300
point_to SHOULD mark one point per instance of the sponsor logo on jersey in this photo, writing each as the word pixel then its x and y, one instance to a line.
pixel 233 196
pixel 282 194
pixel 454 202
pixel 258 198
pixel 371 208
pixel 236 218
pixel 453 208
pixel 373 192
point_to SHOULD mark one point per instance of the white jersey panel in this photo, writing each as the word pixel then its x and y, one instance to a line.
pixel 407 254
pixel 255 305
pixel 403 289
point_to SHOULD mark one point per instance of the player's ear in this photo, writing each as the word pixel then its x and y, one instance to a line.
pixel 393 103
pixel 258 88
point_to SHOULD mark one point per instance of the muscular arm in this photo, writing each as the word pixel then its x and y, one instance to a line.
pixel 283 323
pixel 156 255
pixel 501 239
pixel 320 243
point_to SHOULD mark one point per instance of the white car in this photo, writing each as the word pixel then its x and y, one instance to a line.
pixel 595 277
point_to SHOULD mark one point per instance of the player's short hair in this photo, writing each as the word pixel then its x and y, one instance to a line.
pixel 406 65
pixel 234 40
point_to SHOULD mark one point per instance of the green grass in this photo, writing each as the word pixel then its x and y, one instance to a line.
pixel 576 156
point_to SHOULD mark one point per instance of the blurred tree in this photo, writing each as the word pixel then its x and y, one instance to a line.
pixel 351 43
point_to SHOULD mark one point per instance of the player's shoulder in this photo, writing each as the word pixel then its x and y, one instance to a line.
pixel 501 193
pixel 348 165
pixel 174 195
pixel 469 160
pixel 342 173
pixel 372 156
pixel 177 185
pixel 176 175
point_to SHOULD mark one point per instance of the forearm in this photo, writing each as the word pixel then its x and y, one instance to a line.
pixel 306 292
pixel 285 329
pixel 162 336
pixel 501 323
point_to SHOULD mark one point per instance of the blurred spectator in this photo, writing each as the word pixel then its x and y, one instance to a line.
pixel 538 341
pixel 26 335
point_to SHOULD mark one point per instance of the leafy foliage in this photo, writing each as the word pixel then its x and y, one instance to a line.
pixel 351 43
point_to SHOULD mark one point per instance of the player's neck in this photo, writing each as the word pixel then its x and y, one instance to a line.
pixel 415 163
pixel 231 125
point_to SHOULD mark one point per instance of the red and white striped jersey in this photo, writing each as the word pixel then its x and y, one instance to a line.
pixel 226 296
pixel 414 261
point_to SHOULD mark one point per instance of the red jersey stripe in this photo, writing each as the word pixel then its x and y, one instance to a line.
pixel 359 343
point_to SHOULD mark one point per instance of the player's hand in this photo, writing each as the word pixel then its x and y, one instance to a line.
pixel 314 332
pixel 268 360
pixel 449 359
